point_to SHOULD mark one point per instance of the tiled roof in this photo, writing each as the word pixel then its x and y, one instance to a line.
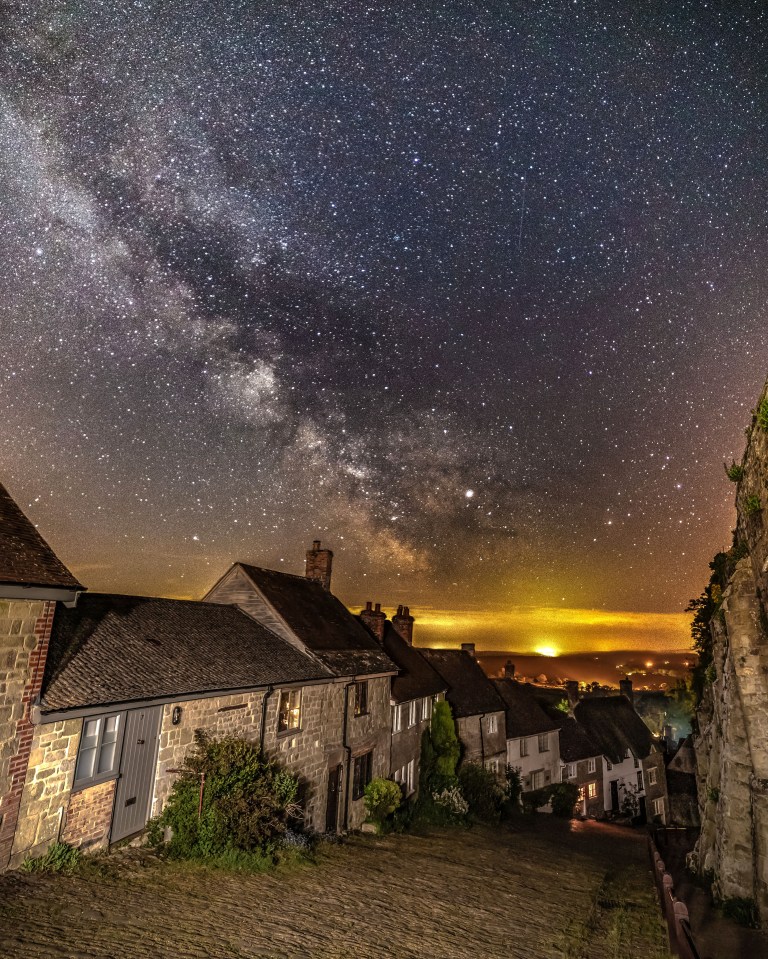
pixel 575 744
pixel 416 677
pixel 25 557
pixel 524 716
pixel 322 622
pixel 613 725
pixel 115 649
pixel 470 692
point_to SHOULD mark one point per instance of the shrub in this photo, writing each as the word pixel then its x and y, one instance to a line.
pixel 445 744
pixel 713 794
pixel 734 472
pixel 247 802
pixel 563 797
pixel 382 798
pixel 451 802
pixel 535 798
pixel 514 783
pixel 60 857
pixel 752 504
pixel 761 414
pixel 482 791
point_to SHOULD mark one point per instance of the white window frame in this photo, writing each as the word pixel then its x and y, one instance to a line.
pixel 397 718
pixel 571 770
pixel 426 708
pixel 95 748
pixel 523 747
pixel 592 765
pixel 543 742
pixel 640 785
pixel 493 724
pixel 592 790
pixel 658 807
pixel 652 777
pixel 537 776
pixel 412 713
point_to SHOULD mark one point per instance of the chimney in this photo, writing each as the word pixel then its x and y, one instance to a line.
pixel 319 562
pixel 572 691
pixel 403 623
pixel 625 687
pixel 509 669
pixel 469 648
pixel 374 619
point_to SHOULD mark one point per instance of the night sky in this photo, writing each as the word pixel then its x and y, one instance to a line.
pixel 475 294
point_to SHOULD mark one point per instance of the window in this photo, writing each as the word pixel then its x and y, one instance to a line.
pixel 582 793
pixel 652 776
pixel 410 776
pixel 412 711
pixel 592 790
pixel 492 766
pixel 543 743
pixel 493 724
pixel 426 708
pixel 537 779
pixel 361 698
pixel 640 786
pixel 97 758
pixel 289 711
pixel 523 747
pixel 637 762
pixel 572 770
pixel 608 765
pixel 563 774
pixel 658 807
pixel 397 719
pixel 592 765
pixel 362 774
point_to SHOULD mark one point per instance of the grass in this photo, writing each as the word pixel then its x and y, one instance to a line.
pixel 60 857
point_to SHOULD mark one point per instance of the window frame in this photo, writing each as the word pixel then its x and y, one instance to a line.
pixel 543 738
pixel 112 773
pixel 656 804
pixel 592 790
pixel 523 747
pixel 397 718
pixel 493 724
pixel 592 765
pixel 571 767
pixel 289 730
pixel 652 776
pixel 640 783
pixel 426 708
pixel 362 773
pixel 413 713
pixel 360 706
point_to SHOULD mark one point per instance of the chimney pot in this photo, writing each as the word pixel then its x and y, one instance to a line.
pixel 368 606
pixel 375 620
pixel 509 669
pixel 625 687
pixel 319 564
pixel 572 691
pixel 468 648
pixel 377 607
pixel 403 623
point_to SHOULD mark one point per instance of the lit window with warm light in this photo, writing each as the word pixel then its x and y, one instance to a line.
pixel 289 711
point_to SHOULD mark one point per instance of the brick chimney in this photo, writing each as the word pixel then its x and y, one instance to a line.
pixel 572 691
pixel 509 669
pixel 319 563
pixel 625 686
pixel 403 623
pixel 469 648
pixel 374 619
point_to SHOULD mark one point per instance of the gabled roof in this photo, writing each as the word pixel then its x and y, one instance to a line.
pixel 470 692
pixel 613 725
pixel 322 622
pixel 25 557
pixel 524 716
pixel 416 677
pixel 117 649
pixel 575 744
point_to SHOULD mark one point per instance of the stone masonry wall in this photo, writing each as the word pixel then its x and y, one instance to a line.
pixel 89 816
pixel 25 628
pixel 477 747
pixel 732 745
pixel 47 787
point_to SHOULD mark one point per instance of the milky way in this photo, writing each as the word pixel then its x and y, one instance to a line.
pixel 473 293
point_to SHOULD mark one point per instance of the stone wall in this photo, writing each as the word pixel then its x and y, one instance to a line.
pixel 732 743
pixel 654 762
pixel 479 745
pixel 25 628
pixel 47 786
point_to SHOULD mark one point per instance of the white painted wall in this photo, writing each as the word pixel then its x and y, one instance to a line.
pixel 547 761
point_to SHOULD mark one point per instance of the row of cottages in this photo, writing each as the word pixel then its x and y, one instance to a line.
pixel 101 695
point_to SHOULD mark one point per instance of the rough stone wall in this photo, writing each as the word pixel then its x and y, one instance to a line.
pixel 89 816
pixel 658 790
pixel 25 628
pixel 592 808
pixel 732 744
pixel 478 745
pixel 47 786
pixel 406 746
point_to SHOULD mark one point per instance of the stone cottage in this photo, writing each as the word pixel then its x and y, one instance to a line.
pixel 415 689
pixel 477 707
pixel 532 741
pixel 353 743
pixel 583 765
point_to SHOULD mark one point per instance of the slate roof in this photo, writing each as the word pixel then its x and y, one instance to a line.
pixel 416 677
pixel 524 716
pixel 322 622
pixel 613 725
pixel 25 557
pixel 115 649
pixel 575 744
pixel 470 692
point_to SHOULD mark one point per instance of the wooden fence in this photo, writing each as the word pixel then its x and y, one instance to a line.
pixel 681 941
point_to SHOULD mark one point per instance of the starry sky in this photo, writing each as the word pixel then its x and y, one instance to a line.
pixel 473 293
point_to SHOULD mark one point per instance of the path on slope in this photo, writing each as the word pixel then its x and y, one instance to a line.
pixel 542 889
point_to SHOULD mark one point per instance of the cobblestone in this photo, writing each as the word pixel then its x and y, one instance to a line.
pixel 532 891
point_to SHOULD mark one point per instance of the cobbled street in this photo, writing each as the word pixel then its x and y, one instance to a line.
pixel 538 889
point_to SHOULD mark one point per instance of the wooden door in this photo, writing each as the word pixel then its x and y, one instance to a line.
pixel 137 772
pixel 332 806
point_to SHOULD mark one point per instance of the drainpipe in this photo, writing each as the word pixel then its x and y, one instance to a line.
pixel 267 694
pixel 348 748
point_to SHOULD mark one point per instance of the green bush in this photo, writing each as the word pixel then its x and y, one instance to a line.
pixel 535 798
pixel 734 472
pixel 247 802
pixel 382 798
pixel 445 745
pixel 440 800
pixel 482 791
pixel 752 504
pixel 761 414
pixel 514 785
pixel 60 857
pixel 563 797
